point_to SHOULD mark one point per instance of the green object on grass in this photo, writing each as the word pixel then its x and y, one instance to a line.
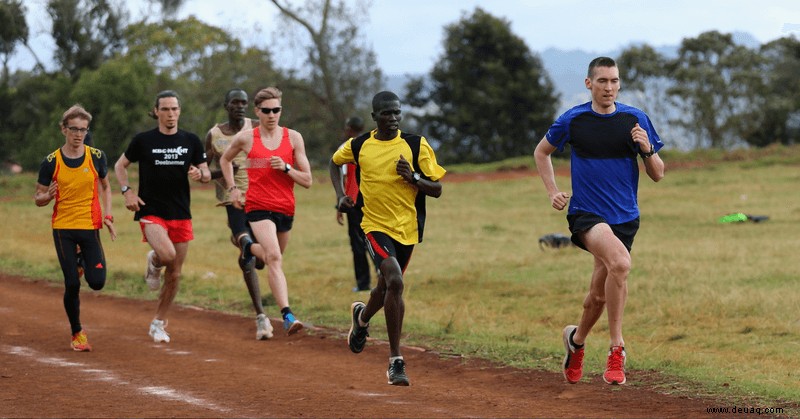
pixel 736 217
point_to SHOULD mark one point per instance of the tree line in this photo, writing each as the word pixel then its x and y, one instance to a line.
pixel 487 97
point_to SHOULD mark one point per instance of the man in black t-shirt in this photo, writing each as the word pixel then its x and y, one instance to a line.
pixel 167 158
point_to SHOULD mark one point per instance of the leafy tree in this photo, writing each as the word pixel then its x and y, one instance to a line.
pixel 201 62
pixel 716 83
pixel 645 82
pixel 779 110
pixel 494 98
pixel 177 47
pixel 32 125
pixel 249 69
pixel 13 29
pixel 86 33
pixel 340 72
pixel 118 95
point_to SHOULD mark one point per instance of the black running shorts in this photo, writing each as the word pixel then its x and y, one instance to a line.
pixel 583 221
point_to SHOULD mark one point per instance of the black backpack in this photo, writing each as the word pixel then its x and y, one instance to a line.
pixel 413 142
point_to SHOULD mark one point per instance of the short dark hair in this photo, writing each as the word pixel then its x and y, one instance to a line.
pixel 600 62
pixel 384 96
pixel 162 94
pixel 355 123
pixel 230 93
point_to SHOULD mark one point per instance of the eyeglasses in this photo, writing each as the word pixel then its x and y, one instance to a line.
pixel 268 110
pixel 76 130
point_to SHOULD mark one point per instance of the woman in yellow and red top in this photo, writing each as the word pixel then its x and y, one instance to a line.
pixel 76 176
pixel 276 160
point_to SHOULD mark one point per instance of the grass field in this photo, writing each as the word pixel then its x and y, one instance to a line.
pixel 713 304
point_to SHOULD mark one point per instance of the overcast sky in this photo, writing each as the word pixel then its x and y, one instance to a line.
pixel 407 35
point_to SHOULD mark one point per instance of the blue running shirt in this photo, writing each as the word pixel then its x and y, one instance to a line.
pixel 605 171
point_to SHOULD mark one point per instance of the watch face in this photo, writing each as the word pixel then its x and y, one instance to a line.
pixel 416 177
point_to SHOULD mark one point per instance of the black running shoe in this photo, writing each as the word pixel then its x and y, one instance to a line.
pixel 357 337
pixel 246 258
pixel 397 373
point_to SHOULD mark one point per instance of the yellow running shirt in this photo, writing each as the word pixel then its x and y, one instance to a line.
pixel 77 204
pixel 388 199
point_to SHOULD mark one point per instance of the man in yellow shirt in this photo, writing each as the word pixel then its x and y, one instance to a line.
pixel 396 171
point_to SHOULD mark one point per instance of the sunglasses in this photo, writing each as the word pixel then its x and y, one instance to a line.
pixel 268 110
pixel 78 130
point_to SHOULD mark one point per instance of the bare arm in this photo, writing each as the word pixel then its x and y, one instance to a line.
pixel 428 187
pixel 301 171
pixel 544 165
pixel 242 142
pixel 132 200
pixel 343 201
pixel 653 165
pixel 105 196
pixel 45 193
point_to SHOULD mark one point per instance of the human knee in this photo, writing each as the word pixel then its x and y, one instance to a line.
pixel 273 258
pixel 166 258
pixel 394 281
pixel 619 268
pixel 96 283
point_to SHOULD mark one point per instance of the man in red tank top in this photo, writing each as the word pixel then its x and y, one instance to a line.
pixel 276 160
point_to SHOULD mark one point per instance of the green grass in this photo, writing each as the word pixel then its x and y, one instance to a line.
pixel 708 303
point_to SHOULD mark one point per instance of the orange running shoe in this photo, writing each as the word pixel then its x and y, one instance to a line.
pixel 80 343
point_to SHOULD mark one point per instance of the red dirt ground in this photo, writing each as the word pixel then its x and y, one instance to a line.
pixel 215 368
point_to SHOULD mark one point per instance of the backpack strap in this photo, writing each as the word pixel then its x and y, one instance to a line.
pixel 414 142
pixel 355 145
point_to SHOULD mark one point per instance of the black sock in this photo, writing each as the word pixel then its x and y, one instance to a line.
pixel 572 342
pixel 286 311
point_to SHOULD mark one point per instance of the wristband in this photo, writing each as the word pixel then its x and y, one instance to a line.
pixel 232 188
pixel 109 218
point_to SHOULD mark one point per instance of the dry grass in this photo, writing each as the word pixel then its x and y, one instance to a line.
pixel 709 302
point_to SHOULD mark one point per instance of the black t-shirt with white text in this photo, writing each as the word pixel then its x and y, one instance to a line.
pixel 164 162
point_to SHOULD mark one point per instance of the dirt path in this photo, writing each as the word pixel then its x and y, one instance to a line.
pixel 215 368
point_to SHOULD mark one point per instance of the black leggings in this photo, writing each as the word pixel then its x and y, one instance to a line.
pixel 94 260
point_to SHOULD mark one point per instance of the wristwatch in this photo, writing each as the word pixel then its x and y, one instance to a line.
pixel 125 188
pixel 415 177
pixel 287 168
pixel 649 153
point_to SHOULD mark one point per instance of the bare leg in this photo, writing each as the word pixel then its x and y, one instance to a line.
pixel 593 304
pixel 270 249
pixel 172 257
pixel 609 251
pixel 393 306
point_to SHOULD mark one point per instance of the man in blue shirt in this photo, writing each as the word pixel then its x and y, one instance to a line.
pixel 605 137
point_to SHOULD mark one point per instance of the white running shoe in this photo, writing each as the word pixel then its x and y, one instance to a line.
pixel 157 331
pixel 263 327
pixel 153 274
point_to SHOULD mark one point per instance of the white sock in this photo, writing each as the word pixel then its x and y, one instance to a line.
pixel 393 358
pixel 362 323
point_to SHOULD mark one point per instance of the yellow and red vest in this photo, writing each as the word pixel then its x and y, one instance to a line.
pixel 77 202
